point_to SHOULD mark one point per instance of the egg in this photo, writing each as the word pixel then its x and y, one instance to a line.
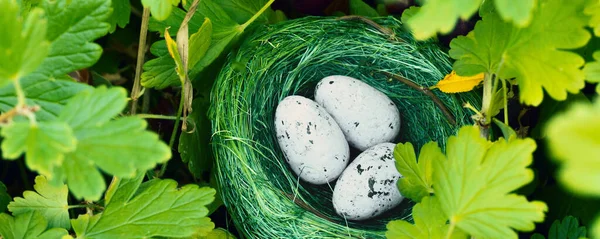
pixel 311 141
pixel 367 187
pixel 366 116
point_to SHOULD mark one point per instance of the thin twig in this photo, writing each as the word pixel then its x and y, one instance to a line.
pixel 153 116
pixel 305 206
pixel 385 30
pixel 427 92
pixel 163 168
pixel 135 91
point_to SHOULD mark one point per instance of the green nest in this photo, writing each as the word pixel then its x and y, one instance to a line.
pixel 265 198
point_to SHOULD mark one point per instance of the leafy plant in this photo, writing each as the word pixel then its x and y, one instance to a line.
pixel 567 229
pixel 472 184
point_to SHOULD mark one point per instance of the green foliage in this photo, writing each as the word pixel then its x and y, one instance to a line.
pixel 119 147
pixel 199 42
pixel 530 54
pixel 573 139
pixel 44 144
pixel 194 147
pixel 441 15
pixel 49 201
pixel 160 72
pixel 478 173
pixel 416 178
pixel 72 28
pixel 473 185
pixel 568 229
pixel 4 197
pixel 358 7
pixel 23 45
pixel 593 10
pixel 120 14
pixel 160 9
pixel 84 137
pixel 430 223
pixel 152 209
pixel 30 225
pixel 242 10
pixel 218 233
pixel 592 71
pixel 50 95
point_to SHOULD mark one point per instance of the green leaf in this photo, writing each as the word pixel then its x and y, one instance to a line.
pixel 218 233
pixel 440 16
pixel 358 7
pixel 152 209
pixel 551 107
pixel 199 42
pixel 120 14
pixel 592 71
pixel 194 147
pixel 416 178
pixel 173 22
pixel 596 228
pixel 568 229
pixel 72 28
pixel 242 10
pixel 23 44
pixel 49 201
pixel 537 236
pixel 160 9
pixel 51 95
pixel 430 223
pixel 159 73
pixel 30 225
pixel 119 147
pixel 573 139
pixel 44 144
pixel 517 11
pixel 408 13
pixel 174 53
pixel 94 107
pixel 4 197
pixel 474 185
pixel 530 54
pixel 508 132
pixel 593 10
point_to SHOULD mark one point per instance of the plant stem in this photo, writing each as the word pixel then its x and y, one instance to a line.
pixel 20 94
pixel 260 12
pixel 152 116
pixel 135 91
pixel 163 168
pixel 504 94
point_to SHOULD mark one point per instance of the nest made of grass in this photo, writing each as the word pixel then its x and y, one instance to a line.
pixel 264 197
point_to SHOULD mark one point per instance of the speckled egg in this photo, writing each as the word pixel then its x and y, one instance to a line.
pixel 366 116
pixel 367 187
pixel 311 141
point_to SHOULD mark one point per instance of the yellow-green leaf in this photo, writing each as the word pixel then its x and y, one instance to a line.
pixel 475 184
pixel 23 44
pixel 535 55
pixel 430 223
pixel 416 178
pixel 174 52
pixel 573 138
pixel 48 200
pixel 454 83
pixel 592 71
pixel 199 42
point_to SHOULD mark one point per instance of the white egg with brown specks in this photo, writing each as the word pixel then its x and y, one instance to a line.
pixel 366 116
pixel 311 141
pixel 367 187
